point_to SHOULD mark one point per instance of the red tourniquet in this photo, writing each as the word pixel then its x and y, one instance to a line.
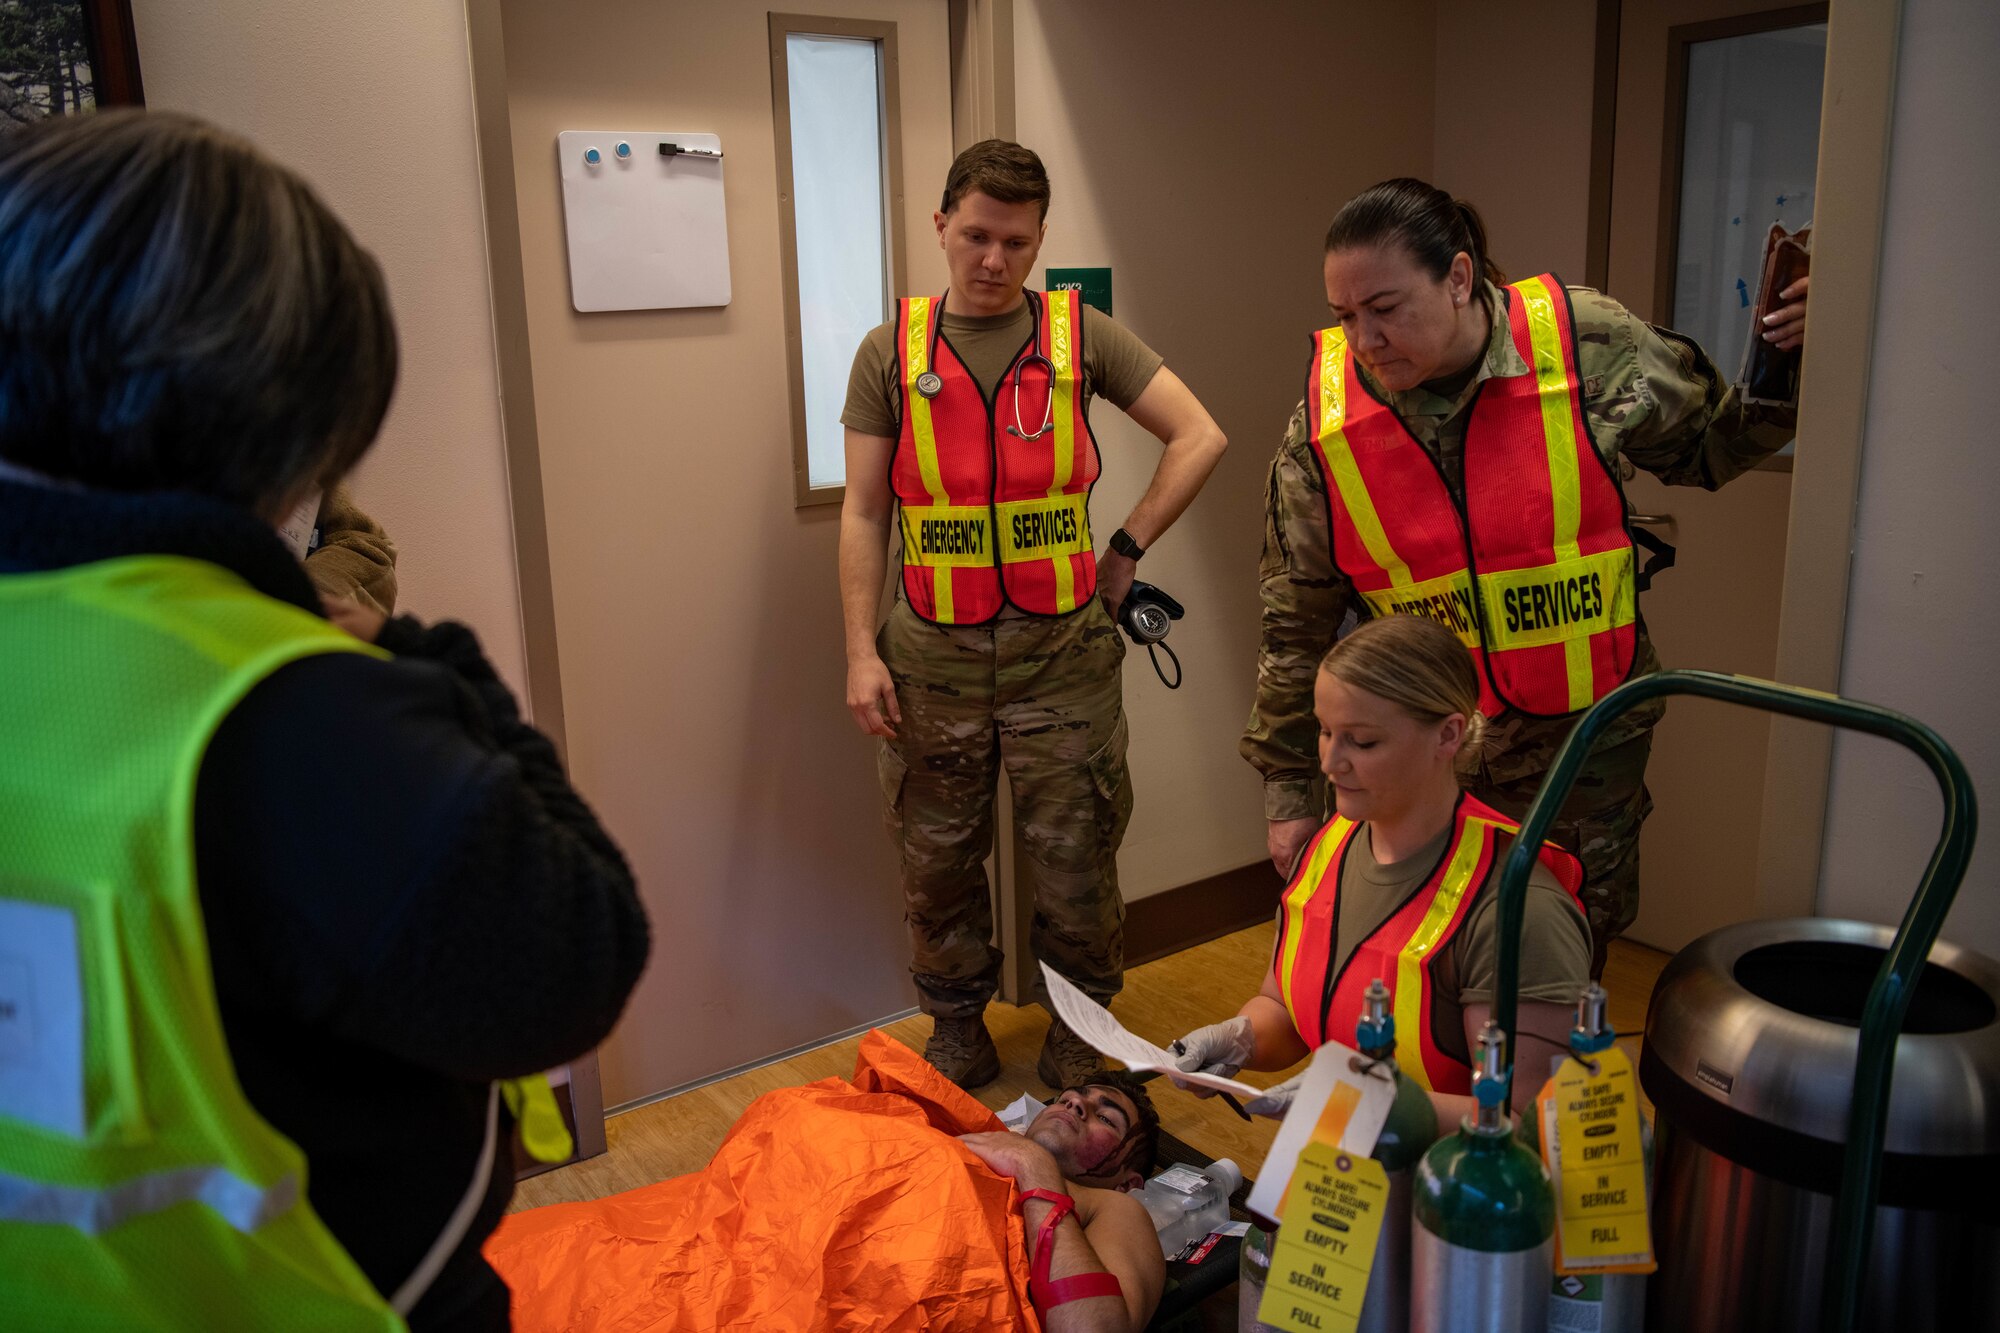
pixel 1081 1287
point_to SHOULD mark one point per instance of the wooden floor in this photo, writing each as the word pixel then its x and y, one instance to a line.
pixel 1161 1001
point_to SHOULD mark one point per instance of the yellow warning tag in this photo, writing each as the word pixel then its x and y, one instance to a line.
pixel 1326 1247
pixel 1591 1143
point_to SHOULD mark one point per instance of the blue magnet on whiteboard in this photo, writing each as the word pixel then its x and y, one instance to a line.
pixel 624 150
pixel 591 157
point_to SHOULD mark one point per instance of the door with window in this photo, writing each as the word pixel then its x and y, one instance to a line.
pixel 1716 138
pixel 682 453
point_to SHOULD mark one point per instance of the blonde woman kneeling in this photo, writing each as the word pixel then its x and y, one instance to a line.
pixel 1402 884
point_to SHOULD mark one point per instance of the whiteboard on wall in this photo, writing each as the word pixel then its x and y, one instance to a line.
pixel 646 229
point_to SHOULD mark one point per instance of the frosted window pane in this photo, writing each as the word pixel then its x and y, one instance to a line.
pixel 1749 157
pixel 837 202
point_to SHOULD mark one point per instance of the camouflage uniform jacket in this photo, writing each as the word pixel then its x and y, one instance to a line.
pixel 1653 401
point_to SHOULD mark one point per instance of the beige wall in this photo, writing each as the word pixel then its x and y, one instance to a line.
pixel 1203 166
pixel 1923 623
pixel 1513 125
pixel 696 608
pixel 371 100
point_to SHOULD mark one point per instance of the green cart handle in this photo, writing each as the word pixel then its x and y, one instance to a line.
pixel 1889 997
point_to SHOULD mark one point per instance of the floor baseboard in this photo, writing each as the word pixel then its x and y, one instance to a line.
pixel 1165 923
pixel 1155 926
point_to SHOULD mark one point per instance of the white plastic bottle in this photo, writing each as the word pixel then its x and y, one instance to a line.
pixel 1186 1204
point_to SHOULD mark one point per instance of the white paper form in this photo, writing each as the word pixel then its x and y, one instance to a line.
pixel 297 529
pixel 1332 1064
pixel 1094 1023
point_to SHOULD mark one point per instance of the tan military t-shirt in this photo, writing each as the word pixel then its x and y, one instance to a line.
pixel 1117 366
pixel 1555 941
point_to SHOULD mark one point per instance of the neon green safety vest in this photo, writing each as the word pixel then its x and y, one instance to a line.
pixel 138 1187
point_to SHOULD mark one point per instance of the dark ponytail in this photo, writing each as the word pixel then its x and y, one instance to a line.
pixel 1420 218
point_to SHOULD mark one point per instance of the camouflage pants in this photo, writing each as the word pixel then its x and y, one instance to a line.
pixel 1042 696
pixel 1599 821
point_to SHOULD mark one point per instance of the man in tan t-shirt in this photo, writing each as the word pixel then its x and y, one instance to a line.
pixel 995 652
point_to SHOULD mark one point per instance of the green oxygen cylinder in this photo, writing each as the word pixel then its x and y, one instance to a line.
pixel 1484 1220
pixel 1411 1128
pixel 1599 1302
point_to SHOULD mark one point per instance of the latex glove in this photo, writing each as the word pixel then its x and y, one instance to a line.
pixel 1220 1048
pixel 1276 1099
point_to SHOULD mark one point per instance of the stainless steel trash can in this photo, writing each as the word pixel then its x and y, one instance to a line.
pixel 1749 1061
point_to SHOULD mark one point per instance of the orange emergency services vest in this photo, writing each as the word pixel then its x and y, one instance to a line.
pixel 1403 952
pixel 1533 564
pixel 993 511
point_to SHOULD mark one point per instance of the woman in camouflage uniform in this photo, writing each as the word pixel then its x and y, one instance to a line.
pixel 1423 310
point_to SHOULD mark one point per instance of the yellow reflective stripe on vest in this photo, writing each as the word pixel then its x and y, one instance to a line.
pixel 544 1132
pixel 1559 431
pixel 916 361
pixel 1340 459
pixel 1561 603
pixel 1296 899
pixel 92 1211
pixel 1447 599
pixel 1411 982
pixel 1062 388
pixel 948 536
pixel 963 536
pixel 1053 527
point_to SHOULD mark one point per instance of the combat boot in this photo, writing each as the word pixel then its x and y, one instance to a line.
pixel 1067 1059
pixel 963 1051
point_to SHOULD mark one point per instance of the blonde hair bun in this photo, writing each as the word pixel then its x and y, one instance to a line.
pixel 1415 663
pixel 1475 733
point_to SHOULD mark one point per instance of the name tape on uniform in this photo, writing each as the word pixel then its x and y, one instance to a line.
pixel 1043 528
pixel 968 535
pixel 1529 608
pixel 1034 532
pixel 1595 1155
pixel 1447 600
pixel 948 535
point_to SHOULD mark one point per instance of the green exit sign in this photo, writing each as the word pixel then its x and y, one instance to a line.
pixel 1094 283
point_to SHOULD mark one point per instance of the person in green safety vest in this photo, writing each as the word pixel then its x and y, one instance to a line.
pixel 286 890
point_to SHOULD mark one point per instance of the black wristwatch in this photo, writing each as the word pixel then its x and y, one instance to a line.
pixel 1121 542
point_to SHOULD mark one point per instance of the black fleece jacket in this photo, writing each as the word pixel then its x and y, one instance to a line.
pixel 404 897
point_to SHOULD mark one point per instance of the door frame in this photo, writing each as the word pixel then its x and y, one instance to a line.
pixel 982 43
pixel 1852 174
pixel 508 303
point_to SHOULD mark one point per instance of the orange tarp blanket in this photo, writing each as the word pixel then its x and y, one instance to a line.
pixel 838 1205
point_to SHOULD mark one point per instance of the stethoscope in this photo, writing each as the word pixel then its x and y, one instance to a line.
pixel 930 383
